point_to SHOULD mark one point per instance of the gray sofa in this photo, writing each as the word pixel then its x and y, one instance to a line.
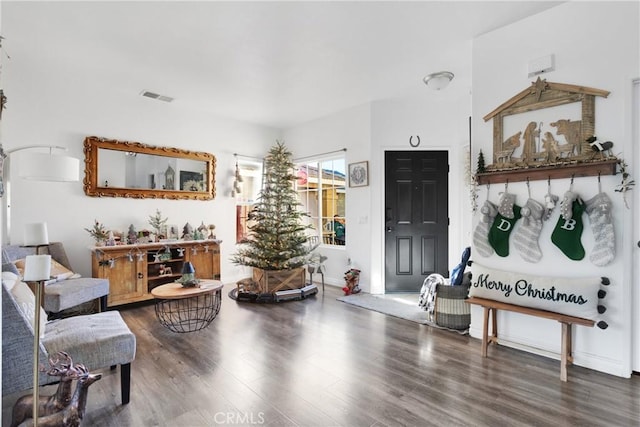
pixel 96 340
pixel 65 294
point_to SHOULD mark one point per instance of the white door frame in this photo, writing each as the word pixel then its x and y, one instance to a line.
pixel 635 291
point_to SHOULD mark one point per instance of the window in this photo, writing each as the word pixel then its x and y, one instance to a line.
pixel 321 187
pixel 251 173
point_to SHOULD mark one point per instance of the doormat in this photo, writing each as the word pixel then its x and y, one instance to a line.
pixel 401 306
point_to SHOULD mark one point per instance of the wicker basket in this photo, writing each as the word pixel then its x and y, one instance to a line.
pixel 451 310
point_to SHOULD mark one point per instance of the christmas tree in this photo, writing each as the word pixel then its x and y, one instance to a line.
pixel 277 238
pixel 481 168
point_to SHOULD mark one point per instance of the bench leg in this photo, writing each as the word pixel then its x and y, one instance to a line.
pixel 485 331
pixel 486 340
pixel 103 303
pixel 125 382
pixel 565 356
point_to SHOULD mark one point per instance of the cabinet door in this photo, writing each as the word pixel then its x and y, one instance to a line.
pixel 206 261
pixel 126 278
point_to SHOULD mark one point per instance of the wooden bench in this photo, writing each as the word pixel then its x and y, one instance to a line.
pixel 491 307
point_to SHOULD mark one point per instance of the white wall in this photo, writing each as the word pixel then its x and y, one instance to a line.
pixel 595 44
pixel 44 108
pixel 346 129
pixel 440 119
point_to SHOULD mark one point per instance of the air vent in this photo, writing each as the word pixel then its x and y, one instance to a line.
pixel 156 96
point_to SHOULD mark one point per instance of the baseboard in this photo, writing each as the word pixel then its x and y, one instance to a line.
pixel 583 359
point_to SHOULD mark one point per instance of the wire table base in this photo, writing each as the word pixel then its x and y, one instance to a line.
pixel 187 309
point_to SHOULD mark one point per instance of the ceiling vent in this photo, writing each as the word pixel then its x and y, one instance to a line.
pixel 156 96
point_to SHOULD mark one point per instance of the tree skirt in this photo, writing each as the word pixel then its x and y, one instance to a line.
pixel 281 296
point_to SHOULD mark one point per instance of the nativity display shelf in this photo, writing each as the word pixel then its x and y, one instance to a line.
pixel 550 134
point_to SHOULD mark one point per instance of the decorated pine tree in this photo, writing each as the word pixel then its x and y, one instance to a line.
pixel 481 168
pixel 277 238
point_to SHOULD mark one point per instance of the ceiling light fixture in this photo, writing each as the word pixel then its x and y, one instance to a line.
pixel 439 80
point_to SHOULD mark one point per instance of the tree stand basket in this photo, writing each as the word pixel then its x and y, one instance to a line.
pixel 270 281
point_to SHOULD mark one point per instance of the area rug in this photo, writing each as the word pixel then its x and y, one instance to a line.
pixel 401 306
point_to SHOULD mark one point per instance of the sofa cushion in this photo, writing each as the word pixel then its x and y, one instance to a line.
pixel 70 293
pixel 95 340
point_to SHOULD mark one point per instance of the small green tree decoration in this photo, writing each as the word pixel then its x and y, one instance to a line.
pixel 157 222
pixel 277 238
pixel 481 168
pixel 98 231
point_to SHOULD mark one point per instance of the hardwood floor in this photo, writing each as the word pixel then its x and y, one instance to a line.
pixel 320 362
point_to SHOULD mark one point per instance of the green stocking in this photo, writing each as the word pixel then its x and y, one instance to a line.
pixel 500 231
pixel 566 235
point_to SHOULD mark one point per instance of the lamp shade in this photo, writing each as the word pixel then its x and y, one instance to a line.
pixel 37 267
pixel 49 167
pixel 439 80
pixel 36 234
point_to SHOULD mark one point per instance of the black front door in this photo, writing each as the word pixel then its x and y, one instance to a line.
pixel 416 218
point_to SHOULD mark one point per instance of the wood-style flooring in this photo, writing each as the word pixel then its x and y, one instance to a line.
pixel 320 362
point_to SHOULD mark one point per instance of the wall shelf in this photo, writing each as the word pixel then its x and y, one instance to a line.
pixel 605 167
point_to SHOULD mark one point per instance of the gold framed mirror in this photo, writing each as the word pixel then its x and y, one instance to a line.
pixel 136 170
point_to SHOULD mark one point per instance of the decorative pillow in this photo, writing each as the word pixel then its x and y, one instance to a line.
pixel 572 296
pixel 9 279
pixel 10 267
pixel 58 271
pixel 27 301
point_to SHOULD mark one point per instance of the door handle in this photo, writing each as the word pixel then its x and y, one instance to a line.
pixel 389 229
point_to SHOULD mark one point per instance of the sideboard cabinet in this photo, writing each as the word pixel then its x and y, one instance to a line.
pixel 134 270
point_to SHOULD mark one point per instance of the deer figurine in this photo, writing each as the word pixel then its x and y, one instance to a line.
pixel 72 414
pixel 60 365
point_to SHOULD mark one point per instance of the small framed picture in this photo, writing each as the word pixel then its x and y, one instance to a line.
pixel 359 174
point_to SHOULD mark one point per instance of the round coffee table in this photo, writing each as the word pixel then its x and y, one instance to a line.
pixel 190 309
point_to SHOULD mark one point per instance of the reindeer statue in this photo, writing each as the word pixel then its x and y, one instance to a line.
pixel 72 414
pixel 60 365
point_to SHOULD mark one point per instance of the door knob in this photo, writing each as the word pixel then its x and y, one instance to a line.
pixel 389 229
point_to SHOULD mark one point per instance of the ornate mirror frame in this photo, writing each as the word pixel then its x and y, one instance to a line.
pixel 92 144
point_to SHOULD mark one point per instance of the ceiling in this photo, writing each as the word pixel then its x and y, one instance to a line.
pixel 272 63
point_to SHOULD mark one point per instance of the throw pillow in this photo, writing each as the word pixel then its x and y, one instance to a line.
pixel 27 301
pixel 58 271
pixel 10 267
pixel 572 296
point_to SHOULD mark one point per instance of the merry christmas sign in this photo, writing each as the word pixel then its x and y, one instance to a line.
pixel 572 296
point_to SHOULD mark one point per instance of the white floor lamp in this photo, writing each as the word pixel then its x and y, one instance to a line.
pixel 37 269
